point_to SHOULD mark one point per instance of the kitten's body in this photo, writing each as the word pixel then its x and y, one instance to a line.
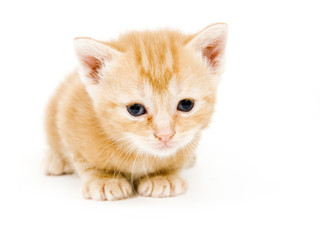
pixel 89 128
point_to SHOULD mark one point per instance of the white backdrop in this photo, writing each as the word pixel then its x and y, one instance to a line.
pixel 257 172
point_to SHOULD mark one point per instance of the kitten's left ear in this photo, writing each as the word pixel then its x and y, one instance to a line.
pixel 211 42
pixel 94 57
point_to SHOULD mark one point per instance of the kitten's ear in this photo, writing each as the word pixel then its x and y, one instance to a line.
pixel 211 42
pixel 94 56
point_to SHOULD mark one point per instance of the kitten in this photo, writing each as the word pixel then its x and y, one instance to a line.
pixel 130 118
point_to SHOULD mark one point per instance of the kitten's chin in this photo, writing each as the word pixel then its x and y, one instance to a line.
pixel 159 149
pixel 163 150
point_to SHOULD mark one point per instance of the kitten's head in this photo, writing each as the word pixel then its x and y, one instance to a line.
pixel 153 91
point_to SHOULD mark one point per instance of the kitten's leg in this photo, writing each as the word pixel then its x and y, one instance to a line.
pixel 169 185
pixel 56 164
pixel 58 160
pixel 99 185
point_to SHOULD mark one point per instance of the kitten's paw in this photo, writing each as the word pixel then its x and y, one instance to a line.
pixel 162 186
pixel 107 189
pixel 55 165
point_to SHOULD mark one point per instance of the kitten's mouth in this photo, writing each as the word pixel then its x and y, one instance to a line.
pixel 165 146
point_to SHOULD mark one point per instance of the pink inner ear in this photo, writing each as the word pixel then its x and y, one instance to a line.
pixel 212 52
pixel 94 64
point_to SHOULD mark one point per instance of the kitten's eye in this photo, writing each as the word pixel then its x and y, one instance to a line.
pixel 136 109
pixel 185 105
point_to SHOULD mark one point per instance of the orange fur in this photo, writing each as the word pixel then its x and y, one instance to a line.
pixel 88 125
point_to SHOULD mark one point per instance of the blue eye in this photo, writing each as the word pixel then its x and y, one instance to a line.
pixel 136 109
pixel 185 105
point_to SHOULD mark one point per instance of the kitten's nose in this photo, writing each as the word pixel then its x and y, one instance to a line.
pixel 164 137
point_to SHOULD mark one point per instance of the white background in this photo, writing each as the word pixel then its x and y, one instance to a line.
pixel 257 173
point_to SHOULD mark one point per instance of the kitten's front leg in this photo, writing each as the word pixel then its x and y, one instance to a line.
pixel 99 185
pixel 169 185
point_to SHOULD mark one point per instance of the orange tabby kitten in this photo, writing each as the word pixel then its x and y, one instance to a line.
pixel 130 118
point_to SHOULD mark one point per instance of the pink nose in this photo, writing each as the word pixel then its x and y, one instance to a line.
pixel 164 137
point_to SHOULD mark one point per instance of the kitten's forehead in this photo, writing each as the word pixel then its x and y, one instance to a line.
pixel 175 89
pixel 157 63
pixel 158 68
pixel 155 55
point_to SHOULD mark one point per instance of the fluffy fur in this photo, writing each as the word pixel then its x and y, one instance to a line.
pixel 115 154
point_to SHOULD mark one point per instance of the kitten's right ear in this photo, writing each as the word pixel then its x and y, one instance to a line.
pixel 94 57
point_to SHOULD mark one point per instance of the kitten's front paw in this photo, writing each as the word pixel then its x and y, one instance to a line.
pixel 107 189
pixel 55 165
pixel 162 186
